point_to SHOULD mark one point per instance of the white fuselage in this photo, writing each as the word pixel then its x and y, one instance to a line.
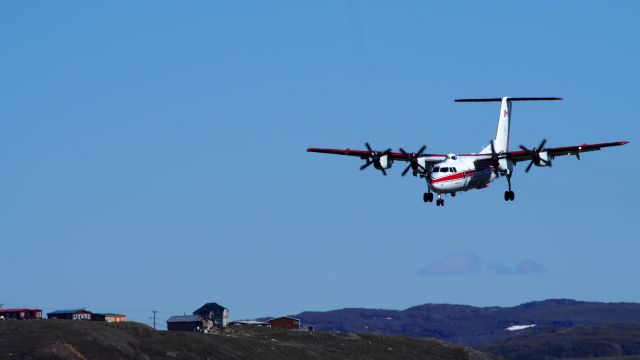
pixel 458 173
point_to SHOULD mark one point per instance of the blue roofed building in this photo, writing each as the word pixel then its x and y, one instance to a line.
pixel 72 314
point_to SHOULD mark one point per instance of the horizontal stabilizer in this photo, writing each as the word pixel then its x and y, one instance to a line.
pixel 509 98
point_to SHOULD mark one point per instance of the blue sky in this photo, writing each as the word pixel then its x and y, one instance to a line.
pixel 153 154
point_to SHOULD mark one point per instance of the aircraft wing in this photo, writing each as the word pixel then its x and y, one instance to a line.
pixel 365 154
pixel 522 155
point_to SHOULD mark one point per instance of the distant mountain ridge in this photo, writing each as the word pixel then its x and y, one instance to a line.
pixel 471 325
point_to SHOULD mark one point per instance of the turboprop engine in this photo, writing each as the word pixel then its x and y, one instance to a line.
pixel 379 159
pixel 538 156
pixel 543 159
pixel 384 162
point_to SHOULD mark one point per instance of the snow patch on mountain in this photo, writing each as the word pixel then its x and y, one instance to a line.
pixel 519 327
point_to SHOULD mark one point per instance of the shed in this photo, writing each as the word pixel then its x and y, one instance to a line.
pixel 109 317
pixel 73 314
pixel 214 312
pixel 285 322
pixel 188 323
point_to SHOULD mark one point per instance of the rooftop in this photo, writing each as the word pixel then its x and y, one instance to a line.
pixel 69 311
pixel 16 310
pixel 184 318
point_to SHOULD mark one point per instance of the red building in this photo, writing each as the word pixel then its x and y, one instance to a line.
pixel 285 322
pixel 20 314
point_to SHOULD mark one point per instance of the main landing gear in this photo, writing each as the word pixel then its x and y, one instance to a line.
pixel 509 195
pixel 428 197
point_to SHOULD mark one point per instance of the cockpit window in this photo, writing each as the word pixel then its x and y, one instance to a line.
pixel 453 169
pixel 444 169
pixel 435 169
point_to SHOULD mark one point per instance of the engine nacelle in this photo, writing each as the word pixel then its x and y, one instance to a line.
pixel 544 160
pixel 385 163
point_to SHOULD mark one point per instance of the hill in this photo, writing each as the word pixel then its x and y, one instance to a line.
pixel 618 341
pixel 472 325
pixel 71 340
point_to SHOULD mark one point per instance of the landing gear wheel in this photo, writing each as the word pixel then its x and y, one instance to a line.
pixel 440 202
pixel 509 196
pixel 425 197
pixel 430 197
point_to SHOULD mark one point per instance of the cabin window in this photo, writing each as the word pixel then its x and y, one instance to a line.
pixel 435 169
pixel 444 169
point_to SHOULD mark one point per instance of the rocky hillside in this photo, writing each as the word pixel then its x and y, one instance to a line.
pixel 75 340
pixel 619 341
pixel 471 325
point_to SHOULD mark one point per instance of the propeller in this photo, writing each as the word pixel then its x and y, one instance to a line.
pixel 413 160
pixel 374 158
pixel 535 155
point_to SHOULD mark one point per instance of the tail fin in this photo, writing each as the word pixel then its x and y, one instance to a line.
pixel 501 141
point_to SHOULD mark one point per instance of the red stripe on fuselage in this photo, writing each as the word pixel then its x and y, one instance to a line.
pixel 462 175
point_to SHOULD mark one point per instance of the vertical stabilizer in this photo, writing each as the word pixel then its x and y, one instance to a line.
pixel 501 142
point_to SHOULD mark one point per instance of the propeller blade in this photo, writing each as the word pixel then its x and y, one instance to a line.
pixel 386 152
pixel 402 151
pixel 406 170
pixel 524 148
pixel 529 167
pixel 548 163
pixel 383 171
pixel 366 165
pixel 422 149
pixel 368 146
pixel 544 141
pixel 493 149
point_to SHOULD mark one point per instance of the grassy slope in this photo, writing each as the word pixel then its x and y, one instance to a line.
pixel 65 339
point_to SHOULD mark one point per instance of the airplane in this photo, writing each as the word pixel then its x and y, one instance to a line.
pixel 455 173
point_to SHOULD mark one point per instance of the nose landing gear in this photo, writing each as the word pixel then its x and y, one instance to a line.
pixel 440 201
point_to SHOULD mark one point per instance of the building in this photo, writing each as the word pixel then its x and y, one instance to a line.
pixel 20 314
pixel 189 323
pixel 285 322
pixel 109 317
pixel 74 314
pixel 214 312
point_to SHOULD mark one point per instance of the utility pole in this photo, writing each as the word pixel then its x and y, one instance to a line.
pixel 154 318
